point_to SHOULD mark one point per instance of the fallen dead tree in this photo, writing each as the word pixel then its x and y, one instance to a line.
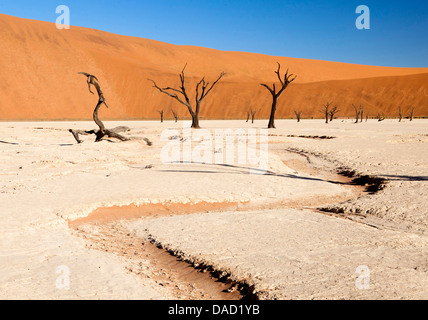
pixel 102 132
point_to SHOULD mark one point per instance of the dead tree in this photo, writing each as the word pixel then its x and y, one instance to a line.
pixel 380 117
pixel 175 114
pixel 358 112
pixel 161 112
pixel 400 114
pixel 326 111
pixel 276 94
pixel 248 116
pixel 333 112
pixel 298 115
pixel 361 114
pixel 102 132
pixel 203 88
pixel 253 114
pixel 412 113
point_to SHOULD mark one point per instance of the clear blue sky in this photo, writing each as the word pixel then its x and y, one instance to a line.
pixel 310 29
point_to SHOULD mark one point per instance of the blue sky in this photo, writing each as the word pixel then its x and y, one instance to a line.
pixel 323 30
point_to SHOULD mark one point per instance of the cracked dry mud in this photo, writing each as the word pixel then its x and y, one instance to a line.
pixel 107 229
pixel 265 236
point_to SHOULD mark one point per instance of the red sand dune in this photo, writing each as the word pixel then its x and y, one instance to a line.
pixel 39 80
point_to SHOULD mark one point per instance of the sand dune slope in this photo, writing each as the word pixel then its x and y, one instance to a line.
pixel 39 80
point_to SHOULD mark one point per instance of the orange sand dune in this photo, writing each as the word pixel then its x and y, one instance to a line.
pixel 39 80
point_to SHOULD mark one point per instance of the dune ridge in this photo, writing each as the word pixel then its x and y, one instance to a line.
pixel 39 80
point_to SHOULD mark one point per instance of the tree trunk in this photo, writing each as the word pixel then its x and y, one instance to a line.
pixel 98 121
pixel 195 121
pixel 271 124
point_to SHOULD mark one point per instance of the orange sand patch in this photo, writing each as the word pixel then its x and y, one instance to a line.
pixel 152 210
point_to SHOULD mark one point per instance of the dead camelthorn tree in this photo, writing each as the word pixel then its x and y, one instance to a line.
pixel 102 132
pixel 161 112
pixel 333 112
pixel 358 112
pixel 203 88
pixel 248 115
pixel 326 111
pixel 276 94
pixel 298 115
pixel 400 114
pixel 175 114
pixel 253 114
pixel 380 117
pixel 412 113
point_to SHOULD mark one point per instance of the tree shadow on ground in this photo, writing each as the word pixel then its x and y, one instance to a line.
pixel 248 170
pixel 404 178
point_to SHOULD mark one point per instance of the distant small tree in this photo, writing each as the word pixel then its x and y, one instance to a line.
pixel 253 114
pixel 298 115
pixel 326 111
pixel 161 112
pixel 380 117
pixel 358 112
pixel 412 113
pixel 175 114
pixel 248 116
pixel 333 112
pixel 400 114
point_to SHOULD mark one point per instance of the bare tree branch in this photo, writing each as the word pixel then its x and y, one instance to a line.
pixel 171 94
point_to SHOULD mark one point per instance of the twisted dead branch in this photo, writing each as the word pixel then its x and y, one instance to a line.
pixel 102 132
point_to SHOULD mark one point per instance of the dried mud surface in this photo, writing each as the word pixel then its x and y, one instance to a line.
pixel 131 227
